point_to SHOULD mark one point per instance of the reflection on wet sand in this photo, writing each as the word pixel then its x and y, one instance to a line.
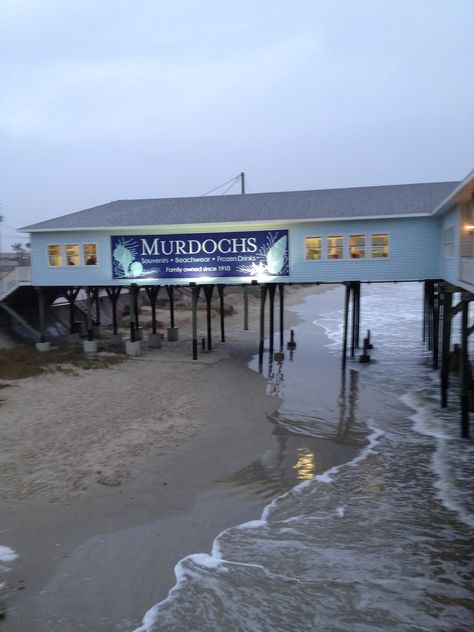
pixel 305 450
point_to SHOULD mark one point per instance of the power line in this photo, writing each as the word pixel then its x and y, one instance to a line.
pixel 233 181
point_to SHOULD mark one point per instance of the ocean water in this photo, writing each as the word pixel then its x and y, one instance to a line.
pixel 384 540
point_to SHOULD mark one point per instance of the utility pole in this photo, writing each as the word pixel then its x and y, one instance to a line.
pixel 242 183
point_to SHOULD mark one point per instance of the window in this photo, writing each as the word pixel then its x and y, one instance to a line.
pixel 313 247
pixel 379 249
pixel 335 247
pixel 54 256
pixel 448 241
pixel 72 255
pixel 357 246
pixel 90 254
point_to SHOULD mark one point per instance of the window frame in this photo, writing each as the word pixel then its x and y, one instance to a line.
pixel 67 256
pixel 372 235
pixel 343 253
pixel 84 256
pixel 364 237
pixel 321 258
pixel 446 244
pixel 60 255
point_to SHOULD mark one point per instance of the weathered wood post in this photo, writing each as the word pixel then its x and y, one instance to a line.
pixel 208 291
pixel 170 291
pixel 96 300
pixel 465 373
pixel 271 293
pixel 220 289
pixel 136 294
pixel 281 291
pixel 131 309
pixel 89 314
pixel 353 318
pixel 356 315
pixel 195 297
pixel 445 346
pixel 430 314
pixel 425 310
pixel 246 308
pixel 436 302
pixel 70 295
pixel 263 296
pixel 346 320
pixel 41 314
pixel 113 294
pixel 152 293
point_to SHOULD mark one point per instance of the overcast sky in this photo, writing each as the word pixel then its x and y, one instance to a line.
pixel 110 99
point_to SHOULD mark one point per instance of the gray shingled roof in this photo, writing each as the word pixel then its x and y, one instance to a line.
pixel 400 199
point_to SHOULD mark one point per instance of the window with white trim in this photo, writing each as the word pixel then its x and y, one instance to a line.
pixel 90 254
pixel 379 246
pixel 313 248
pixel 72 255
pixel 54 255
pixel 357 246
pixel 448 241
pixel 335 247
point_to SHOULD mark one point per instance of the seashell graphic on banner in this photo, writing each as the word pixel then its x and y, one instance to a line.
pixel 276 256
pixel 124 257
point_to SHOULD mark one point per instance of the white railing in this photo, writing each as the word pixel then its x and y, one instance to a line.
pixel 20 275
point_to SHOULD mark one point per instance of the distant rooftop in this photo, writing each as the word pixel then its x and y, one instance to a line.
pixel 352 203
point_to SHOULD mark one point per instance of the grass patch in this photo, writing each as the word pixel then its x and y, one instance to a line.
pixel 25 361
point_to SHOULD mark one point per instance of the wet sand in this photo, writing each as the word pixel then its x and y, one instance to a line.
pixel 98 555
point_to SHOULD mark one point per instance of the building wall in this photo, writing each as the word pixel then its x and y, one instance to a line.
pixel 414 252
pixel 449 259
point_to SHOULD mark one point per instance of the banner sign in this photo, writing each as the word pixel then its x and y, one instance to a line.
pixel 244 254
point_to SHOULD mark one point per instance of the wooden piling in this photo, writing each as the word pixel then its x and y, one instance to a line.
pixel 208 291
pixel 89 314
pixel 346 320
pixel 96 301
pixel 447 300
pixel 271 293
pixel 131 309
pixel 113 294
pixel 220 289
pixel 465 373
pixel 170 291
pixel 263 296
pixel 195 297
pixel 246 308
pixel 41 313
pixel 70 295
pixel 353 318
pixel 436 306
pixel 152 293
pixel 281 292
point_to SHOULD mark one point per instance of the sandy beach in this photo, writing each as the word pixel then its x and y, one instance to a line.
pixel 122 470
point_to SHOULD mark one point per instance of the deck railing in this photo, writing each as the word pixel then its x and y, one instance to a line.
pixel 20 275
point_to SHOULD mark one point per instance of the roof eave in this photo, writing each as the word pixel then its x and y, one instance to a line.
pixel 228 223
pixel 451 199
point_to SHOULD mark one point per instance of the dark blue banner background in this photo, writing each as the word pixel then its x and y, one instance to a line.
pixel 254 254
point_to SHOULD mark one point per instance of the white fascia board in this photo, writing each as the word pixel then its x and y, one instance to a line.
pixel 449 201
pixel 233 223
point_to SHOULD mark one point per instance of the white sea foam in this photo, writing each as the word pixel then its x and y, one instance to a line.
pixel 450 452
pixel 399 339
pixel 7 555
pixel 373 440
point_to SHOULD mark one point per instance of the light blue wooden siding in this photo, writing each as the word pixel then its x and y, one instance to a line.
pixel 414 252
pixel 44 274
pixel 414 245
pixel 449 266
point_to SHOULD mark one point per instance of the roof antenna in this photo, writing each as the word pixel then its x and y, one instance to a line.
pixel 242 182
